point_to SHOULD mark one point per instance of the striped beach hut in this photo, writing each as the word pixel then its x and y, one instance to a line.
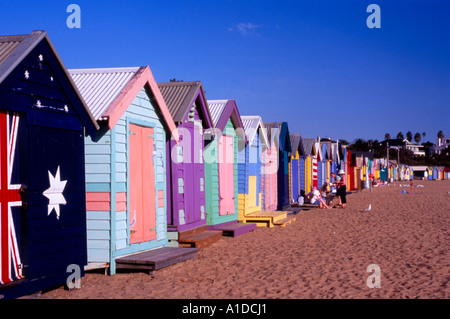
pixel 319 163
pixel 42 182
pixel 250 166
pixel 221 169
pixel 186 216
pixel 125 163
pixel 284 148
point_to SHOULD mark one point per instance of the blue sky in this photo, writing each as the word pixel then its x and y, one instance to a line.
pixel 314 64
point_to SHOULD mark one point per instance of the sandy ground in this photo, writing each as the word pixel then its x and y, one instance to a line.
pixel 323 254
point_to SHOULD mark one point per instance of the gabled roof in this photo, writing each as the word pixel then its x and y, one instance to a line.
pixel 224 110
pixel 251 125
pixel 296 144
pixel 109 92
pixel 326 149
pixel 100 87
pixel 14 49
pixel 318 149
pixel 308 144
pixel 180 96
pixel 282 129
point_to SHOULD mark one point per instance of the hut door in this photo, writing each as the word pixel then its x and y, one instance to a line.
pixel 226 175
pixel 142 184
pixel 294 179
pixel 10 199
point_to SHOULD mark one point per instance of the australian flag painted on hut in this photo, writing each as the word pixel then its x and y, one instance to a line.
pixel 42 196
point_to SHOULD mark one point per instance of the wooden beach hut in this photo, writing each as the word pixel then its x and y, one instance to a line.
pixel 430 173
pixel 125 165
pixel 284 148
pixel 221 169
pixel 269 216
pixel 186 214
pixel 42 180
pixel 319 164
pixel 294 167
pixel 447 173
pixel 310 153
pixel 250 167
pixel 269 180
pixel 326 157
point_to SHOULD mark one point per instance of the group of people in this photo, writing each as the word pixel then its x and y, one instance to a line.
pixel 323 197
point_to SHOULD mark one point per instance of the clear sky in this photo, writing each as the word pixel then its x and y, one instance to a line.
pixel 314 64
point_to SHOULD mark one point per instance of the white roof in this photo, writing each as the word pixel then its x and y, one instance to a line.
pixel 251 124
pixel 216 108
pixel 100 87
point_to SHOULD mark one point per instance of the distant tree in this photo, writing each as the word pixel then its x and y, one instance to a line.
pixel 387 136
pixel 417 137
pixel 424 134
pixel 440 134
pixel 400 135
pixel 409 136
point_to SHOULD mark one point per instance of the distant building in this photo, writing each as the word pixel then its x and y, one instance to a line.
pixel 405 144
pixel 442 146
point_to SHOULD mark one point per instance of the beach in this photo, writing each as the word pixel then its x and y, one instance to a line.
pixel 323 254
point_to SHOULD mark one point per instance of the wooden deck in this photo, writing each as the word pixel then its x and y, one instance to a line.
pixel 155 259
pixel 234 229
pixel 269 218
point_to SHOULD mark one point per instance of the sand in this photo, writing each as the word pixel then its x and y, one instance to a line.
pixel 323 254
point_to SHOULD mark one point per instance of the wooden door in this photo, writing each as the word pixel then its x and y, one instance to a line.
pixel 142 184
pixel 294 178
pixel 226 175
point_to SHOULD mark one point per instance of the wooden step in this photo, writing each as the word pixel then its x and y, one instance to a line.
pixel 201 240
pixel 265 218
pixel 235 229
pixel 285 221
pixel 191 232
pixel 155 259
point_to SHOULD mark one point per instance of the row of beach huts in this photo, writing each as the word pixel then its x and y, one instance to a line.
pixel 106 168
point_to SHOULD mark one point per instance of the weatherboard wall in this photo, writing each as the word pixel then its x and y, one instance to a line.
pixel 107 184
pixel 38 94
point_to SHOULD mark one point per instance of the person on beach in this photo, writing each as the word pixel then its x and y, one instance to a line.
pixel 317 198
pixel 341 189
pixel 411 185
pixel 326 193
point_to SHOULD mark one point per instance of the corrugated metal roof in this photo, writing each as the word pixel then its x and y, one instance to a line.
pixel 272 127
pixel 251 124
pixel 14 49
pixel 179 97
pixel 216 108
pixel 295 143
pixel 308 145
pixel 100 87
pixel 8 44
